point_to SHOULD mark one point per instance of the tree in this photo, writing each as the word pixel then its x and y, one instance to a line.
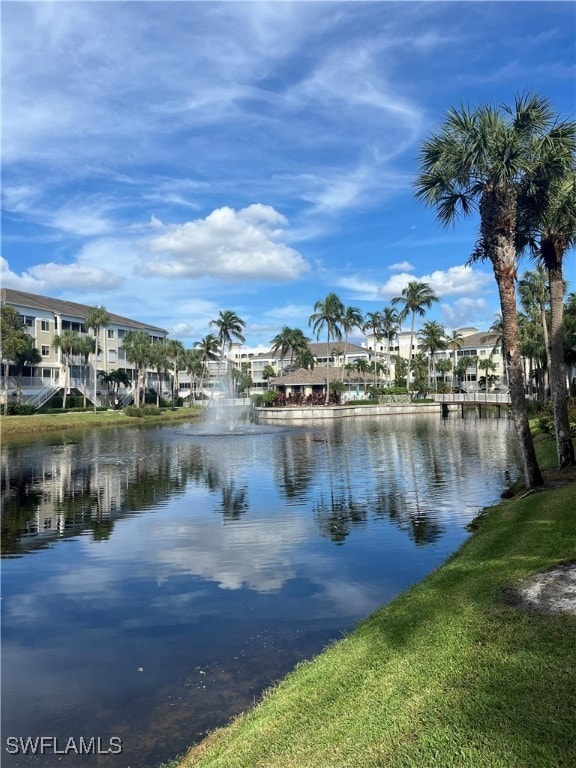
pixel 97 319
pixel 389 324
pixel 432 341
pixel 415 299
pixel 454 341
pixel 69 344
pixel 479 160
pixel 444 366
pixel 327 314
pixel 159 359
pixel 13 340
pixel 486 365
pixel 86 347
pixel 534 297
pixel 138 346
pixel 268 373
pixel 208 349
pixel 194 367
pixel 305 359
pixel 289 340
pixel 176 354
pixel 351 318
pixel 230 328
pixel 551 211
pixel 28 355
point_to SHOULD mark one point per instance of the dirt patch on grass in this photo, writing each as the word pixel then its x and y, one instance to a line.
pixel 552 591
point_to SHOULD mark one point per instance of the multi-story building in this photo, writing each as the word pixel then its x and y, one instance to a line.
pixel 475 345
pixel 44 318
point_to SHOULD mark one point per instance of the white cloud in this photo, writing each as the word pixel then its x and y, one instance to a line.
pixel 402 266
pixel 44 278
pixel 467 311
pixel 230 244
pixel 453 281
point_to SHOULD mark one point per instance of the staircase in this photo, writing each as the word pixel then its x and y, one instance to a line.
pixel 42 397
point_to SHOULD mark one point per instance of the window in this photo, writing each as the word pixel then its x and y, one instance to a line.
pixel 45 325
pixel 121 333
pixel 28 320
pixel 45 350
pixel 111 355
pixel 110 333
pixel 69 325
pixel 121 354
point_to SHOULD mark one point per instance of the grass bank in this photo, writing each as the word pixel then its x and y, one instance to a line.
pixel 54 422
pixel 451 673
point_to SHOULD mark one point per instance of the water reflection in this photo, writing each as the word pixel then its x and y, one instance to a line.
pixel 213 563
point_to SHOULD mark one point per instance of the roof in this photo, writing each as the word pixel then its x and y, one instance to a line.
pixel 318 349
pixel 318 376
pixel 481 339
pixel 68 308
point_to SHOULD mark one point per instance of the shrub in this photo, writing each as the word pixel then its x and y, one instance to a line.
pixel 145 410
pixel 20 410
pixel 270 397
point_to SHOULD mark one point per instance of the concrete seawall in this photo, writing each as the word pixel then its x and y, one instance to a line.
pixel 295 415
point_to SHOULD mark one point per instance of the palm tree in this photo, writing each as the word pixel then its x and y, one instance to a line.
pixel 289 340
pixel 230 328
pixel 552 213
pixel 208 349
pixel 534 297
pixel 444 366
pixel 479 159
pixel 176 354
pixel 159 359
pixel 268 373
pixel 327 314
pixel 389 324
pixel 415 299
pixel 305 359
pixel 454 341
pixel 194 367
pixel 68 343
pixel 86 347
pixel 351 318
pixel 432 341
pixel 138 346
pixel 97 318
pixel 487 365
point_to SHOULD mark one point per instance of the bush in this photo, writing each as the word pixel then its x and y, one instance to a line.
pixel 270 397
pixel 145 410
pixel 20 410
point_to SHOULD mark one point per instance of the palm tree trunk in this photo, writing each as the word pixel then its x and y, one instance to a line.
pixel 410 353
pixel 505 271
pixel 564 445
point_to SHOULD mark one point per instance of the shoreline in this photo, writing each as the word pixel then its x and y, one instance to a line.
pixel 427 676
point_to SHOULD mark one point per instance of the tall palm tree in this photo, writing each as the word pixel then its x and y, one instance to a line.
pixel 454 341
pixel 208 349
pixel 432 341
pixel 86 347
pixel 230 328
pixel 97 319
pixel 159 359
pixel 551 213
pixel 415 299
pixel 535 298
pixel 67 342
pixel 176 354
pixel 194 367
pixel 327 314
pixel 479 160
pixel 351 318
pixel 138 346
pixel 390 325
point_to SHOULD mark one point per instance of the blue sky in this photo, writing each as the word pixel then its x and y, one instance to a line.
pixel 173 159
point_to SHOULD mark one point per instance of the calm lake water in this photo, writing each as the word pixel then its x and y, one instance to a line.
pixel 156 580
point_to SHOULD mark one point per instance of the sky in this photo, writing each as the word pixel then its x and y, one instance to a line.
pixel 171 160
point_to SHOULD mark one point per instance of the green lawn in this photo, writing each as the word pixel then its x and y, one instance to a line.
pixel 451 673
pixel 54 422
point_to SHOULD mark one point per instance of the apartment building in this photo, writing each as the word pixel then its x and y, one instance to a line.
pixel 45 318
